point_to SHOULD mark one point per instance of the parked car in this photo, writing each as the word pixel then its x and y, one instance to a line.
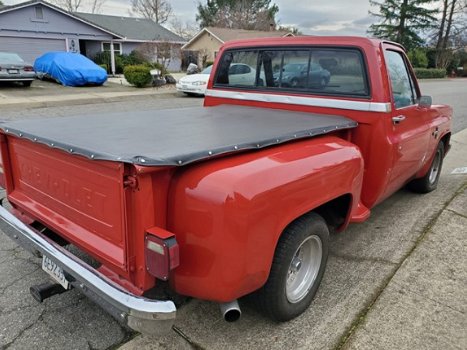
pixel 13 68
pixel 194 84
pixel 69 69
pixel 296 75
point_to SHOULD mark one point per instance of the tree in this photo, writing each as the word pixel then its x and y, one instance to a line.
pixel 184 29
pixel 238 14
pixel 96 5
pixel 157 10
pixel 93 6
pixel 451 30
pixel 403 20
pixel 1 3
pixel 69 5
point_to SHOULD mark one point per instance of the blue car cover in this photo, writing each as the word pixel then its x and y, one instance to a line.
pixel 70 69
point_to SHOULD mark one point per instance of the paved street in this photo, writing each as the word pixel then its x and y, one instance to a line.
pixel 407 262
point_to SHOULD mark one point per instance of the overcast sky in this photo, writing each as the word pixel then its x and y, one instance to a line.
pixel 329 17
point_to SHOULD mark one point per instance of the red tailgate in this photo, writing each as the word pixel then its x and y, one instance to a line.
pixel 81 199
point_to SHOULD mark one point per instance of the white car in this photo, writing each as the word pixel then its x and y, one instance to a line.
pixel 195 84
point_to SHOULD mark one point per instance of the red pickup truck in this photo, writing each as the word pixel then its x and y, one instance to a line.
pixel 298 137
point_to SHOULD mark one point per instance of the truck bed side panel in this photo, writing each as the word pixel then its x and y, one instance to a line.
pixel 228 214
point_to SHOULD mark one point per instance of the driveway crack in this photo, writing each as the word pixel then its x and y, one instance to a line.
pixel 20 334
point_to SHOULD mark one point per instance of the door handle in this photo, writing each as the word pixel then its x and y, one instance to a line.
pixel 398 119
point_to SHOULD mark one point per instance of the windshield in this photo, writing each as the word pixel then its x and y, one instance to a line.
pixel 206 70
pixel 7 57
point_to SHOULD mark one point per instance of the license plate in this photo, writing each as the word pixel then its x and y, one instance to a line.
pixel 54 271
pixel 13 71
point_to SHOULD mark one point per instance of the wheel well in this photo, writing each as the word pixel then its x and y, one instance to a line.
pixel 335 212
pixel 445 140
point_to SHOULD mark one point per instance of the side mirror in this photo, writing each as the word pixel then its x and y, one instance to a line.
pixel 425 101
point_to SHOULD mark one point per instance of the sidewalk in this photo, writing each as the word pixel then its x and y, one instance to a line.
pixel 76 97
pixel 424 305
pixel 398 281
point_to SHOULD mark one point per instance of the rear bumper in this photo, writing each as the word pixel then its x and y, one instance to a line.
pixel 141 314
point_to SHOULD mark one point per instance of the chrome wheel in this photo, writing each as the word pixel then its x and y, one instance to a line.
pixel 435 168
pixel 303 269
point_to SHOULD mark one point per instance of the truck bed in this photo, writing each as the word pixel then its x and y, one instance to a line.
pixel 176 136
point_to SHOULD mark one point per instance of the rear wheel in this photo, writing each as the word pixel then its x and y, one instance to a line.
pixel 297 269
pixel 429 182
pixel 27 83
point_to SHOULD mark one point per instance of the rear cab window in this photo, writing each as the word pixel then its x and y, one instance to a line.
pixel 323 71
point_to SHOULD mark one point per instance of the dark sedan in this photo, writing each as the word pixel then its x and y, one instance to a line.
pixel 296 75
pixel 13 68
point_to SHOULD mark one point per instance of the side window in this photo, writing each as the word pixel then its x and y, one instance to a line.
pixel 403 91
pixel 237 68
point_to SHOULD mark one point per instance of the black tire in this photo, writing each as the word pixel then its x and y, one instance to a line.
pixel 277 300
pixel 429 182
pixel 27 83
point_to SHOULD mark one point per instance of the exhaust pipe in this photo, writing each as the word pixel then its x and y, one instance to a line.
pixel 231 311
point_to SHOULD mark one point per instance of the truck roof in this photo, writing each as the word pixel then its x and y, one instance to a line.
pixel 174 137
pixel 307 40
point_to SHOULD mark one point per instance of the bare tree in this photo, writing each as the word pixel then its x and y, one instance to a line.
pixel 161 52
pixel 184 29
pixel 157 10
pixel 451 30
pixel 96 5
pixel 69 5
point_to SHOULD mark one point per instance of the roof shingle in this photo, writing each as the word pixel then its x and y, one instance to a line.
pixel 132 28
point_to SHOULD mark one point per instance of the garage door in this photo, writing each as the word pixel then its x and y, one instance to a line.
pixel 29 49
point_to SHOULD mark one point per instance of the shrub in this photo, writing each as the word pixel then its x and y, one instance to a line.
pixel 418 58
pixel 208 63
pixel 138 75
pixel 104 66
pixel 430 73
pixel 104 58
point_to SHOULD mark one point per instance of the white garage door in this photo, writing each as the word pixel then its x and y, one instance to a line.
pixel 30 48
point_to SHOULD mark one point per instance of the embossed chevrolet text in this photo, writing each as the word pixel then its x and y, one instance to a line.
pixel 63 189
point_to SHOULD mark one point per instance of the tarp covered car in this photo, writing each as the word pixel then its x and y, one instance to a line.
pixel 70 69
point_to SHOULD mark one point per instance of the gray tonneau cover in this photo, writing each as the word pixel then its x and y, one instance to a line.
pixel 175 136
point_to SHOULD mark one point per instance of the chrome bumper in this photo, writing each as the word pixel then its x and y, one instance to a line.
pixel 143 315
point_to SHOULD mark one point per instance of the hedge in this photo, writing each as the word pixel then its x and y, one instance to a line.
pixel 430 73
pixel 138 75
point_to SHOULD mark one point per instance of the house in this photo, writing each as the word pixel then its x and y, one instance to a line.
pixel 35 27
pixel 205 45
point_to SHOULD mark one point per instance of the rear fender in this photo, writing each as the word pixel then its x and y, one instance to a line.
pixel 228 213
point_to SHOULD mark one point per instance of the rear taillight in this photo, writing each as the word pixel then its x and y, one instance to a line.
pixel 28 69
pixel 162 252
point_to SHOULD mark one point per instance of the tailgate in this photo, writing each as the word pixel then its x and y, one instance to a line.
pixel 81 199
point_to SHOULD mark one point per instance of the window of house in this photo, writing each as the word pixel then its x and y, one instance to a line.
pixel 38 12
pixel 310 70
pixel 117 48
